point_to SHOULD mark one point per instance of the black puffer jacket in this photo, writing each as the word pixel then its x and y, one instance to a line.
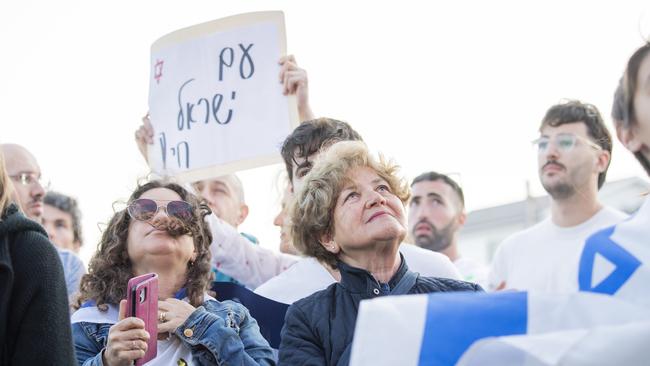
pixel 34 317
pixel 318 329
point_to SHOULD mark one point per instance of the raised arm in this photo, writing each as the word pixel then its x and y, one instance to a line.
pixel 249 264
pixel 295 82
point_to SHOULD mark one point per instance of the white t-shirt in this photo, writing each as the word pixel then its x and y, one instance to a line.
pixel 308 276
pixel 545 256
pixel 472 271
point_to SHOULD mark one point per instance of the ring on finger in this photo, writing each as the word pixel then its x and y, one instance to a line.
pixel 162 317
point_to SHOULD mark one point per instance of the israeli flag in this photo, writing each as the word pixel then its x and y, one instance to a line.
pixel 606 323
pixel 616 261
pixel 441 329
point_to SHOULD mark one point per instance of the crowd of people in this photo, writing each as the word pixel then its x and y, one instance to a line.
pixel 352 229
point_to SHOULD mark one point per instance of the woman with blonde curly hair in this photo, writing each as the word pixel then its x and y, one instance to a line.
pixel 162 231
pixel 349 213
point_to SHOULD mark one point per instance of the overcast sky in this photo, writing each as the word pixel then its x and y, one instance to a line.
pixel 455 87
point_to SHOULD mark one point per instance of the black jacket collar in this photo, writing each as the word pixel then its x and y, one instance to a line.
pixel 357 280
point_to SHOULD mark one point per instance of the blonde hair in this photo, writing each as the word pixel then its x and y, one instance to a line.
pixel 6 188
pixel 312 210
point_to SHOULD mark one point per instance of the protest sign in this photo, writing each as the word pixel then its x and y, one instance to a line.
pixel 215 100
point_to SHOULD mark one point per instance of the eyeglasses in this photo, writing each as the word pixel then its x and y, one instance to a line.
pixel 27 179
pixel 144 209
pixel 564 142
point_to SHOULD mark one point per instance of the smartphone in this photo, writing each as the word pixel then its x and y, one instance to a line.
pixel 142 302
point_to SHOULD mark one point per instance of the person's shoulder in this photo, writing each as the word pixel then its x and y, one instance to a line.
pixel 300 280
pixel 414 250
pixel 437 284
pixel 34 244
pixel 317 300
pixel 612 214
pixel 526 235
pixel 428 262
pixel 18 224
pixel 68 256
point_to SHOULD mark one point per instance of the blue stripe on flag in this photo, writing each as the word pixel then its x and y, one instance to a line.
pixel 626 264
pixel 454 321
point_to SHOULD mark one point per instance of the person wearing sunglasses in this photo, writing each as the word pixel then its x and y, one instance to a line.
pixel 30 189
pixel 573 153
pixel 161 231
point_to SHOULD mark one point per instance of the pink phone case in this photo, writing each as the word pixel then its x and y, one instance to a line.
pixel 142 302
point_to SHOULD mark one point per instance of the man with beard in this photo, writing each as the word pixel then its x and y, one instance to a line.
pixel 574 151
pixel 436 215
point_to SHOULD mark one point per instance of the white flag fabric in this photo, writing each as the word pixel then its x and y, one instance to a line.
pixel 438 329
pixel 625 344
pixel 606 323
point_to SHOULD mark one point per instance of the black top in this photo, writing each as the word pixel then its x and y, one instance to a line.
pixel 318 329
pixel 34 317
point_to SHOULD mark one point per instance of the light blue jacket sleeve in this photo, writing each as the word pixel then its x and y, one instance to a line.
pixel 228 335
pixel 73 270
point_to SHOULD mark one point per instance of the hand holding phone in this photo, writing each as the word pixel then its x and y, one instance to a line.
pixel 174 312
pixel 142 302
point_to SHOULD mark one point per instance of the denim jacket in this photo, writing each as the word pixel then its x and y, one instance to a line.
pixel 223 333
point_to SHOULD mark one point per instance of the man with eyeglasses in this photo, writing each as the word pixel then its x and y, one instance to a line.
pixel 574 150
pixel 25 173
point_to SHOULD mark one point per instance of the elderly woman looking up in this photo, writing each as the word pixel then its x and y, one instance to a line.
pixel 162 231
pixel 350 214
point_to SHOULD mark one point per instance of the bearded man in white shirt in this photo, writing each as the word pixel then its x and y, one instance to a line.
pixel 574 152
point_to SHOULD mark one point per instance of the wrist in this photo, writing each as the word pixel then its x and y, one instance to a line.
pixel 103 358
pixel 305 113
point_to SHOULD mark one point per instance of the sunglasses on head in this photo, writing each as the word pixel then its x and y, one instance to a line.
pixel 144 209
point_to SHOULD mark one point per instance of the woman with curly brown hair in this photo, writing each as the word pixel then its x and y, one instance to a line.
pixel 162 231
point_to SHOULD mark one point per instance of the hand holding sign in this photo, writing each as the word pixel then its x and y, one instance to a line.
pixel 216 106
pixel 294 80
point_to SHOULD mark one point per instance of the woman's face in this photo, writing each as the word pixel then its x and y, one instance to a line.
pixel 366 213
pixel 151 248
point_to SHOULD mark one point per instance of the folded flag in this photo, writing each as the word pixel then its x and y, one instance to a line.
pixel 438 329
pixel 606 323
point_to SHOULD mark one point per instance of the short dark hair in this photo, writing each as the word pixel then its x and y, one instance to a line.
pixel 435 176
pixel 574 111
pixel 311 135
pixel 68 205
pixel 623 111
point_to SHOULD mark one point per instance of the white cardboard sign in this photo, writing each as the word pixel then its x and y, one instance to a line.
pixel 215 99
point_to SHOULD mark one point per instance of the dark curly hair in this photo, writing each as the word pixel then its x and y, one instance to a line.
pixel 110 267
